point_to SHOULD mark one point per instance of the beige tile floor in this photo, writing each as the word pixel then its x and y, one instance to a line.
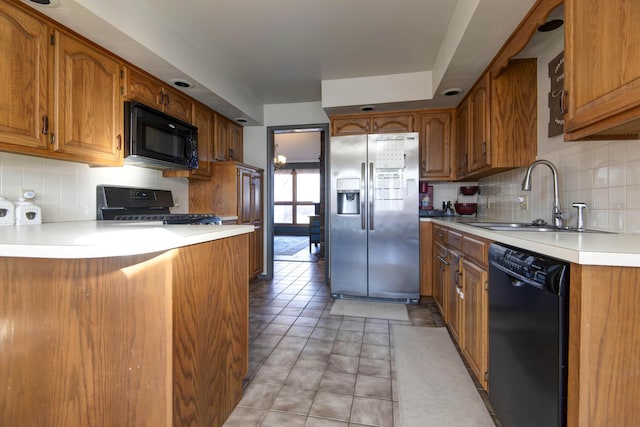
pixel 308 368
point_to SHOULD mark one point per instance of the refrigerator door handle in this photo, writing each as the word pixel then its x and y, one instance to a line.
pixel 363 217
pixel 371 196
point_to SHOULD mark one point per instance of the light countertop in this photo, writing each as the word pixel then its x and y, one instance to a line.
pixel 581 248
pixel 99 239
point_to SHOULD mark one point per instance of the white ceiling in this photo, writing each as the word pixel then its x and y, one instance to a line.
pixel 242 54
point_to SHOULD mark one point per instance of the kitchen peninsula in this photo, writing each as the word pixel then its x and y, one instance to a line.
pixel 105 324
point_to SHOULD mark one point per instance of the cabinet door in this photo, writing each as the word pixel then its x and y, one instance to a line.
pixel 440 276
pixel 462 139
pixel 203 120
pixel 602 68
pixel 393 124
pixel 454 300
pixel 256 248
pixel 474 319
pixel 221 141
pixel 479 156
pixel 245 196
pixel 426 259
pixel 144 89
pixel 257 197
pixel 435 146
pixel 24 62
pixel 88 105
pixel 235 142
pixel 351 126
pixel 177 104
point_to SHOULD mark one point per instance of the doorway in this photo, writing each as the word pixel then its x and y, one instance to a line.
pixel 295 230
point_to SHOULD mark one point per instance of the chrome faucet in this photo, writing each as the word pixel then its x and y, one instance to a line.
pixel 556 212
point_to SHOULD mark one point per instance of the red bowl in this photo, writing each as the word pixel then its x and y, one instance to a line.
pixel 465 208
pixel 469 191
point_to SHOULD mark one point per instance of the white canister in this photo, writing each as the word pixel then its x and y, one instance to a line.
pixel 27 212
pixel 7 212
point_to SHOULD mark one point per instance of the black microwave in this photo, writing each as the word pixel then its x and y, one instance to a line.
pixel 156 140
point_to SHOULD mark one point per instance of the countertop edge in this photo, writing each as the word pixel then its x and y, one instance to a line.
pixel 599 249
pixel 99 240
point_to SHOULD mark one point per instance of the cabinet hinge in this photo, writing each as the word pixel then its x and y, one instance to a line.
pixel 122 74
pixel 486 285
pixel 52 40
pixel 53 139
pixel 121 90
pixel 486 375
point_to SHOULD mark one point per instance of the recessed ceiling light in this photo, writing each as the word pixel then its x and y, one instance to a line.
pixel 367 108
pixel 181 83
pixel 47 3
pixel 241 120
pixel 452 91
pixel 550 25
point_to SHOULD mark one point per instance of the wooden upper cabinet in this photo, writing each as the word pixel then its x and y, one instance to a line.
pixel 602 69
pixel 228 140
pixel 362 124
pixel 462 138
pixel 150 91
pixel 24 64
pixel 479 137
pixel 87 102
pixel 351 125
pixel 501 116
pixel 204 121
pixel 235 149
pixel 435 145
pixel 221 141
pixel 393 123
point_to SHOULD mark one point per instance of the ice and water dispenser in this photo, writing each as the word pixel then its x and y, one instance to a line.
pixel 348 193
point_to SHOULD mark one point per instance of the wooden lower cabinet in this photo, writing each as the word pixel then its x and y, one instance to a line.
pixel 155 340
pixel 440 276
pixel 604 346
pixel 460 280
pixel 426 259
pixel 235 189
pixel 474 318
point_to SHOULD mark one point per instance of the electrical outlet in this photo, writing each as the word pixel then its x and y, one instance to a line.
pixel 523 200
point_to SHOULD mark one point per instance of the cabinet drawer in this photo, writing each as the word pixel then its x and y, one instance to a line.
pixel 439 234
pixel 454 239
pixel 475 249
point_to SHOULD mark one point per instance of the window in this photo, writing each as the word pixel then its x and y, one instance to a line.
pixel 296 191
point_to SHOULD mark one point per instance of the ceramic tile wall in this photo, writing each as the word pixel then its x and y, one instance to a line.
pixel 66 191
pixel 449 191
pixel 603 174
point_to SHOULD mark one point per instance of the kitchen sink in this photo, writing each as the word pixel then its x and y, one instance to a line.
pixel 527 226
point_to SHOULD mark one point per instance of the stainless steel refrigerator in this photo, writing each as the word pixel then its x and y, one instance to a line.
pixel 374 219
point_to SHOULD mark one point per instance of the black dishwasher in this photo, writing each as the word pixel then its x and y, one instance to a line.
pixel 528 329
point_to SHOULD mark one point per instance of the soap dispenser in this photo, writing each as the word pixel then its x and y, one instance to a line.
pixel 27 212
pixel 7 212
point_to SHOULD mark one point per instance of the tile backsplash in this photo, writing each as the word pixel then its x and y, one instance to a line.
pixel 66 191
pixel 603 174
